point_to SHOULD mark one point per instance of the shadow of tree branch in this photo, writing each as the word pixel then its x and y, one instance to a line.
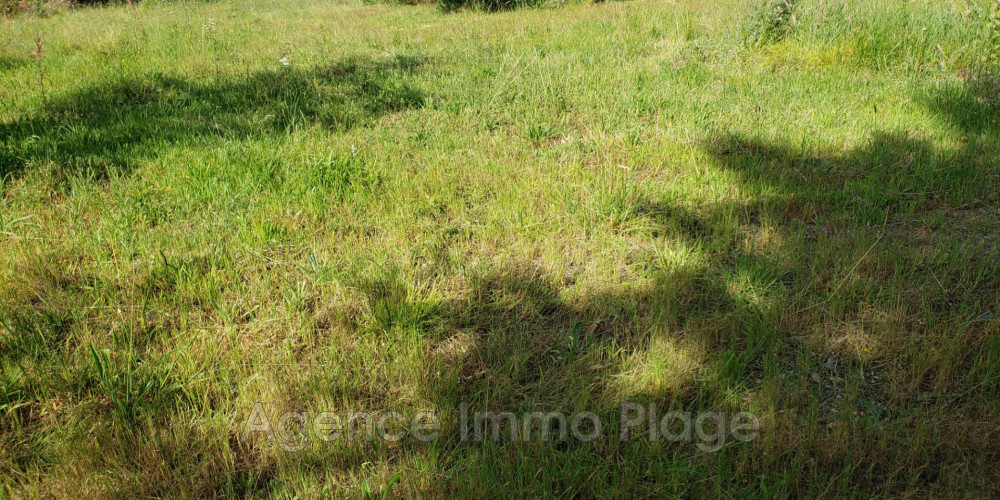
pixel 111 127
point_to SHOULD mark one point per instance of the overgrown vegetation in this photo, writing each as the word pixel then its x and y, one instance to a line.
pixel 487 5
pixel 992 49
pixel 770 21
pixel 340 206
pixel 43 8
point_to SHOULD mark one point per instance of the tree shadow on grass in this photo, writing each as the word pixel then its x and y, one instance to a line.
pixel 729 333
pixel 106 128
pixel 514 342
pixel 825 254
pixel 9 62
pixel 973 106
pixel 778 328
pixel 857 331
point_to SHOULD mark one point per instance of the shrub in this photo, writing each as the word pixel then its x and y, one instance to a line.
pixel 770 21
pixel 43 7
pixel 488 5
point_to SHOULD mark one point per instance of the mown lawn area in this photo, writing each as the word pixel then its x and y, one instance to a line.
pixel 789 209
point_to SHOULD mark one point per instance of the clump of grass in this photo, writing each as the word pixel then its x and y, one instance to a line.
pixel 539 133
pixel 770 21
pixel 133 387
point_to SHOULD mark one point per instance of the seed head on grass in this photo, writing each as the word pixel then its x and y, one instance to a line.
pixel 41 69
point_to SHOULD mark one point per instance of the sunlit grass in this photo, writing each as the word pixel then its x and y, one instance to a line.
pixel 335 206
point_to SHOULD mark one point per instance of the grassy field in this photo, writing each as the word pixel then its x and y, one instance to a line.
pixel 326 205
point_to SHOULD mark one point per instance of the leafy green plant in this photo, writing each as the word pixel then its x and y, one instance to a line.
pixel 993 37
pixel 573 346
pixel 369 492
pixel 394 306
pixel 771 21
pixel 133 386
pixel 540 132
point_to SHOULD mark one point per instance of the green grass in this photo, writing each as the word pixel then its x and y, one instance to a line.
pixel 337 206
